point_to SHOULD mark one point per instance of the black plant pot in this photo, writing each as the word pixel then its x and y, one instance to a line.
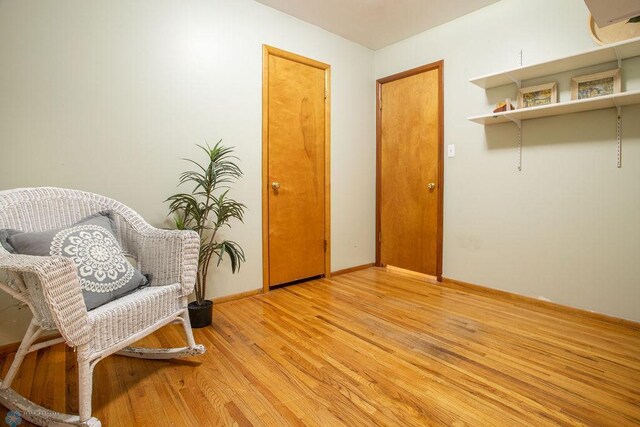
pixel 200 314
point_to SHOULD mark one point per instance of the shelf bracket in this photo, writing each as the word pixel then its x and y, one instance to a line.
pixel 618 57
pixel 516 81
pixel 519 149
pixel 518 123
pixel 619 137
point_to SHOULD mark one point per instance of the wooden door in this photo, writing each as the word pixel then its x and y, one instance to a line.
pixel 410 170
pixel 295 162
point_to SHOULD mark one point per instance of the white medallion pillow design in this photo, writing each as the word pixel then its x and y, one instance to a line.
pixel 101 264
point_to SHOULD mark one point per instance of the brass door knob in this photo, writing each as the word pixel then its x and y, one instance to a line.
pixel 275 185
pixel 431 186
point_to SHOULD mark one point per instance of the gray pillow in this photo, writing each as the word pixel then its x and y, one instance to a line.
pixel 4 235
pixel 104 272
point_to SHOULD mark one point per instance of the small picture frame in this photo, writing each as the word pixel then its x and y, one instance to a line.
pixel 536 96
pixel 594 85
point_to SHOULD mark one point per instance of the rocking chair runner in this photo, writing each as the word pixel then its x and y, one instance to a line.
pixel 51 288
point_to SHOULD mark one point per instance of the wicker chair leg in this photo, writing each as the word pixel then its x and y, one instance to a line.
pixel 28 410
pixel 85 385
pixel 188 332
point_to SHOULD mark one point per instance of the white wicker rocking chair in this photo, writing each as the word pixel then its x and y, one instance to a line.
pixel 51 288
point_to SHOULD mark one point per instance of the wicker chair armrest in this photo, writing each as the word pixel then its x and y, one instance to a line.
pixel 171 256
pixel 58 284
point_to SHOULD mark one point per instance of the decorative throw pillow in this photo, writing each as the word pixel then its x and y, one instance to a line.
pixel 4 235
pixel 104 271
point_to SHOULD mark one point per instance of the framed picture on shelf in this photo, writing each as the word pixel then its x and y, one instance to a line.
pixel 536 96
pixel 598 84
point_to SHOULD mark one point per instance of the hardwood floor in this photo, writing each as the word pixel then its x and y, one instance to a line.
pixel 366 348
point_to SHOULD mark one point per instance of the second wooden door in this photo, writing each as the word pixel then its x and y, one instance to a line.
pixel 410 170
pixel 296 178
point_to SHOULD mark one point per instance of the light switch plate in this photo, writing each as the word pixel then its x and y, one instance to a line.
pixel 451 150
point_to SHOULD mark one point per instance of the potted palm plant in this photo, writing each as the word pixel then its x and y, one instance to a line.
pixel 206 209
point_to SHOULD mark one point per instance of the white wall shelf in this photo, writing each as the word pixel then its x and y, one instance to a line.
pixel 601 102
pixel 600 55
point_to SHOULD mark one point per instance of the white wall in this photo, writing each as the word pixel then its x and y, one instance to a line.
pixel 568 226
pixel 107 96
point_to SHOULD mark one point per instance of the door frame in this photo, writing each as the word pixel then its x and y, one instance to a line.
pixel 266 52
pixel 438 65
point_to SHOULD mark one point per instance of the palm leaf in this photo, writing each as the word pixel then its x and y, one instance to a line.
pixel 208 207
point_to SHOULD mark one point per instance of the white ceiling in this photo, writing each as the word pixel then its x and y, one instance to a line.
pixel 376 23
